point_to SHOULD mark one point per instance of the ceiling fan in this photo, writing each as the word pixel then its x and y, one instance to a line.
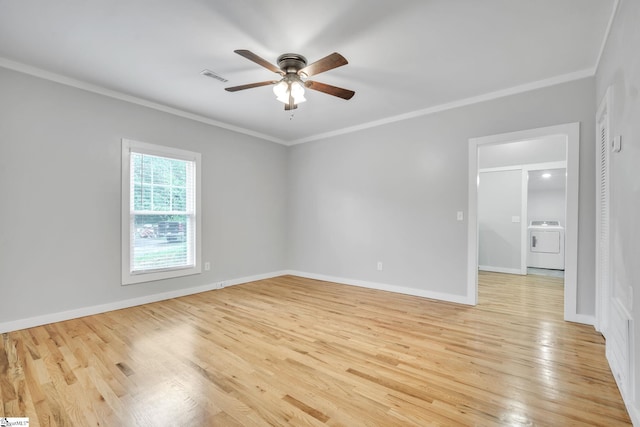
pixel 293 68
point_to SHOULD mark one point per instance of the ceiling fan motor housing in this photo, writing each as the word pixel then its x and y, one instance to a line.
pixel 291 62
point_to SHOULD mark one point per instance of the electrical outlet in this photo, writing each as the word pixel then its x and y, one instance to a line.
pixel 379 266
pixel 207 266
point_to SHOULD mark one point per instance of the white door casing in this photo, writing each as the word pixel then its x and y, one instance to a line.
pixel 572 133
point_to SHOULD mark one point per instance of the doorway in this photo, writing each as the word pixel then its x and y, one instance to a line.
pixel 570 133
pixel 546 220
pixel 517 200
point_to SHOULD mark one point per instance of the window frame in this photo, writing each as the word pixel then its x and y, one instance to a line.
pixel 128 277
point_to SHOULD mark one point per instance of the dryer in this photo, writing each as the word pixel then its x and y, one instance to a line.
pixel 546 245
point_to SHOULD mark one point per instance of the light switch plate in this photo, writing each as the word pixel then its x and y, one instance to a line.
pixel 616 145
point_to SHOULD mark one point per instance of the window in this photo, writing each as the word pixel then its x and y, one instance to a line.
pixel 160 212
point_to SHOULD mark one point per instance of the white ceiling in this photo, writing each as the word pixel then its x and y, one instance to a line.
pixel 406 57
pixel 553 180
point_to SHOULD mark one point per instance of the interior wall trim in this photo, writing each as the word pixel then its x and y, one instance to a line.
pixel 527 87
pixel 607 33
pixel 585 319
pixel 31 322
pixel 89 87
pixel 572 133
pixel 441 296
pixel 499 269
pixel 79 84
pixel 634 413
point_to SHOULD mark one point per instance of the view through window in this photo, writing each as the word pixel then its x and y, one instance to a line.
pixel 161 211
pixel 160 214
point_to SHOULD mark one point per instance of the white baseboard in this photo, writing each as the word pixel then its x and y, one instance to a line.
pixel 586 319
pixel 254 278
pixel 634 413
pixel 31 322
pixel 117 305
pixel 459 299
pixel 500 269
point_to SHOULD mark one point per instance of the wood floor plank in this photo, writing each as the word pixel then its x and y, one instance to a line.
pixel 302 352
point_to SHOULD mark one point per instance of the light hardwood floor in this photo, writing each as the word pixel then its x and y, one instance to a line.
pixel 293 351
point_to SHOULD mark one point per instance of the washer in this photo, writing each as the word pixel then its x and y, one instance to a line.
pixel 546 245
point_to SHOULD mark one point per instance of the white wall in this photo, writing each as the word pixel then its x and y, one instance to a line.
pixel 499 238
pixel 543 205
pixel 620 69
pixel 543 150
pixel 334 207
pixel 60 197
pixel 391 193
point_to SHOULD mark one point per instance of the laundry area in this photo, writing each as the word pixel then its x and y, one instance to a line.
pixel 522 208
pixel 546 245
pixel 546 214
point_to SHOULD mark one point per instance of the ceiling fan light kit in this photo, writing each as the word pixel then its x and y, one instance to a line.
pixel 289 88
pixel 293 68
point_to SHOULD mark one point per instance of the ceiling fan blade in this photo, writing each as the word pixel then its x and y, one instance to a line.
pixel 260 61
pixel 327 63
pixel 331 90
pixel 250 86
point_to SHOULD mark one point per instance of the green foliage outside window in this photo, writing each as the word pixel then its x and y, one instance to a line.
pixel 159 184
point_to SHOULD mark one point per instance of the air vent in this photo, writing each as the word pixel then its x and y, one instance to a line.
pixel 213 75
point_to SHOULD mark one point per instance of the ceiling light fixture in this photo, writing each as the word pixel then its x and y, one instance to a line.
pixel 290 90
pixel 546 175
pixel 293 68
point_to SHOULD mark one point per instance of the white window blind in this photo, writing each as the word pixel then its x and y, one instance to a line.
pixel 160 212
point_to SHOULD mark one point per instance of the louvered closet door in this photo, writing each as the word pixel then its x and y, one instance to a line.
pixel 603 258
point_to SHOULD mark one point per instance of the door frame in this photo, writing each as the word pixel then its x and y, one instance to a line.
pixel 603 194
pixel 524 217
pixel 525 203
pixel 572 133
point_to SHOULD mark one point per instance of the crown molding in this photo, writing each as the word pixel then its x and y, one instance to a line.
pixel 564 78
pixel 79 84
pixel 58 78
pixel 607 33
